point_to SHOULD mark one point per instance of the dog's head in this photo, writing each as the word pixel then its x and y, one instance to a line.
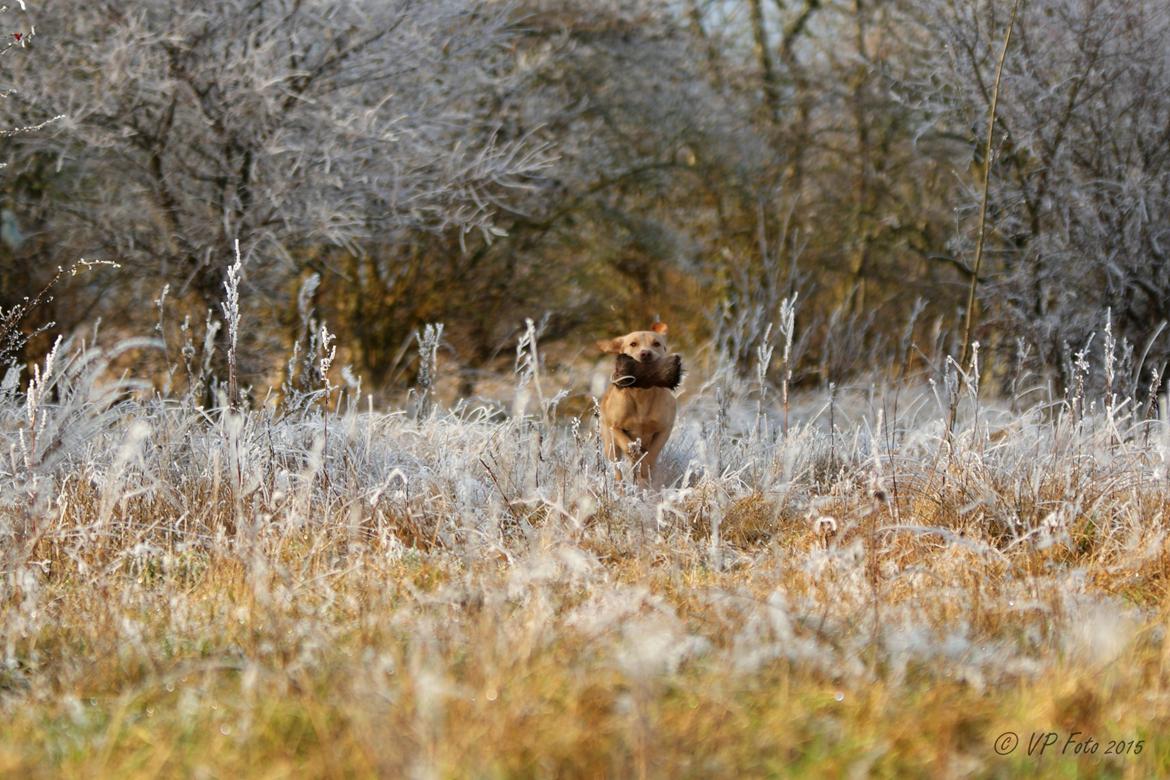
pixel 641 345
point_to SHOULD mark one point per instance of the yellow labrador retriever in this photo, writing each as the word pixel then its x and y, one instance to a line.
pixel 636 421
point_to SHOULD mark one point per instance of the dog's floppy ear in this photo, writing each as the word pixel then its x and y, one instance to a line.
pixel 659 327
pixel 610 346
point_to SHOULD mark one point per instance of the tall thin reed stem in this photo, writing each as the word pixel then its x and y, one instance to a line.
pixel 981 236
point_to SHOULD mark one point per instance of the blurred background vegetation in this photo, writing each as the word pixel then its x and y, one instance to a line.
pixel 594 165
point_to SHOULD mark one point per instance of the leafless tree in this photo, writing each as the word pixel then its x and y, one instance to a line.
pixel 1080 165
pixel 290 124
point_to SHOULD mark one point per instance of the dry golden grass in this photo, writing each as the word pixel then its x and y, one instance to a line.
pixel 455 596
pixel 316 656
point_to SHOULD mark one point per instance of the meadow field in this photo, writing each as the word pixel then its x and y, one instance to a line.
pixel 300 471
pixel 839 588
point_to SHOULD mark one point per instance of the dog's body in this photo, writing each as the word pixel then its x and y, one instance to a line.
pixel 637 421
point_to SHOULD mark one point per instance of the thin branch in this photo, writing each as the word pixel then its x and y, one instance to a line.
pixel 969 317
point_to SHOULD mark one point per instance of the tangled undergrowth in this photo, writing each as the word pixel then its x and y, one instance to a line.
pixel 460 592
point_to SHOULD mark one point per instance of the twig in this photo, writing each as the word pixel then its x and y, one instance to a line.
pixel 969 317
pixel 503 495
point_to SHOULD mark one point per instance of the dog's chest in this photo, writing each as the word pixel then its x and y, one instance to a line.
pixel 635 408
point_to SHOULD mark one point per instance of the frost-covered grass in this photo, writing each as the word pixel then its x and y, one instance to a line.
pixel 456 592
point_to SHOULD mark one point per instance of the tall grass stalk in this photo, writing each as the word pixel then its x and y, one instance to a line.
pixel 984 197
pixel 231 312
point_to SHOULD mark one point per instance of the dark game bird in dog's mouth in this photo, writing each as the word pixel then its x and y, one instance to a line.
pixel 666 372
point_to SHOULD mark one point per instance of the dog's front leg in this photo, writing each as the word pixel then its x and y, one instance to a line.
pixel 654 444
pixel 623 445
pixel 608 445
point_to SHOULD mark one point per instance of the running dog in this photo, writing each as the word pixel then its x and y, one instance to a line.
pixel 638 408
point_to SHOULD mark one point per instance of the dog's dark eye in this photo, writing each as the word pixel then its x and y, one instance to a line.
pixel 658 343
